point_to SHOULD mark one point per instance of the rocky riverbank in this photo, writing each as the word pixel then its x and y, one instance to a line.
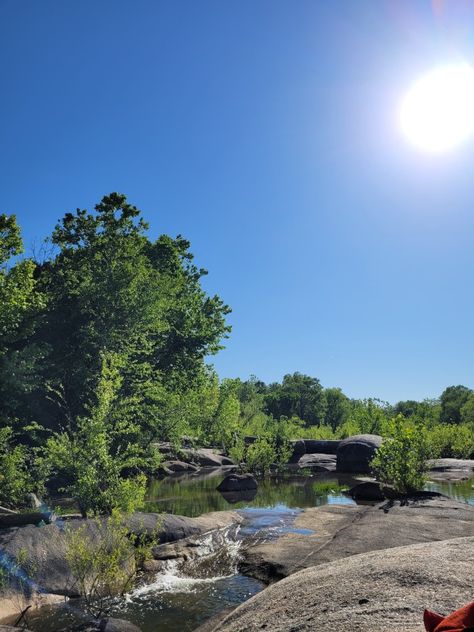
pixel 49 579
pixel 365 568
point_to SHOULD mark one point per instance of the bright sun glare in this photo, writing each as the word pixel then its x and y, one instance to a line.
pixel 437 112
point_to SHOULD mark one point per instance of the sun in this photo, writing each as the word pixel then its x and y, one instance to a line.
pixel 437 113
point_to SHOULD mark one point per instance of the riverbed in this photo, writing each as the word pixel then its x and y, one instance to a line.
pixel 181 600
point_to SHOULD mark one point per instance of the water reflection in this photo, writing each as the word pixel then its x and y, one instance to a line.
pixel 194 495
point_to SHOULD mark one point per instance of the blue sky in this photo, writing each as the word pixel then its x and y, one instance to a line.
pixel 266 132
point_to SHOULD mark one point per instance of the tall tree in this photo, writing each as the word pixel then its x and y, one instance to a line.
pixel 298 395
pixel 452 400
pixel 110 289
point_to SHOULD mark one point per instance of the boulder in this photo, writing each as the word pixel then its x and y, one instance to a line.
pixel 33 502
pixel 111 624
pixel 378 591
pixel 450 469
pixel 321 446
pixel 369 490
pixel 318 462
pixel 237 483
pixel 206 457
pixel 354 454
pixel 8 520
pixel 298 451
pixel 46 546
pixel 171 467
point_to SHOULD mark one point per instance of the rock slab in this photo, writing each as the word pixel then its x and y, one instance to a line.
pixel 379 591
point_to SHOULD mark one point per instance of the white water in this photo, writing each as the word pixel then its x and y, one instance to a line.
pixel 215 558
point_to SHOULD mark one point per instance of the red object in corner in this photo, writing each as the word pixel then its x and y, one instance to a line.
pixel 457 621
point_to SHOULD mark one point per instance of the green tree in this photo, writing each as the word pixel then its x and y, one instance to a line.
pixel 20 303
pixel 101 460
pixel 297 396
pixel 452 400
pixel 338 407
pixel 467 411
pixel 111 289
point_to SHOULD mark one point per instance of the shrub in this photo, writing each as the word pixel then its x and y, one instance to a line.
pixel 401 459
pixel 104 563
pixel 451 441
pixel 15 481
pixel 260 455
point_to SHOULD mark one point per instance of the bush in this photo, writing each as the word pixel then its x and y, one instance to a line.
pixel 260 456
pixel 401 459
pixel 15 481
pixel 104 563
pixel 451 441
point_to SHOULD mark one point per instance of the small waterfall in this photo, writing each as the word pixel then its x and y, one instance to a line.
pixel 210 558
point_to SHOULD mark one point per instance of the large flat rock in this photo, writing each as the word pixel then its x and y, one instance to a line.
pixel 341 531
pixel 379 591
pixel 450 469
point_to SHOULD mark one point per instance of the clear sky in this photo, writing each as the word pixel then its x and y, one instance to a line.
pixel 267 133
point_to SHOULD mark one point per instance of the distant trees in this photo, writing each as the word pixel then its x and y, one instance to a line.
pixel 452 400
pixel 297 396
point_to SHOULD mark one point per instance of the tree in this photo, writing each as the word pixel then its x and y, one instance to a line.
pixel 112 290
pixel 338 407
pixel 452 400
pixel 467 411
pixel 101 457
pixel 20 303
pixel 299 395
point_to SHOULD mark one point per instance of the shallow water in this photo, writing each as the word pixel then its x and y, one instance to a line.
pixel 181 599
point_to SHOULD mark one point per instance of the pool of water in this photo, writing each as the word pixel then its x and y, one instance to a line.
pixel 194 495
pixel 178 599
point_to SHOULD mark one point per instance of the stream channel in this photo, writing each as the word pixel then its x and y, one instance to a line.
pixel 181 599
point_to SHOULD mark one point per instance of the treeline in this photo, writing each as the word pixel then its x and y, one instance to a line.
pixel 103 343
pixel 299 407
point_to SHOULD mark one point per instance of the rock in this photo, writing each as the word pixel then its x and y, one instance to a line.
pixel 205 457
pixel 379 591
pixel 450 469
pixel 298 450
pixel 30 518
pixel 355 453
pixel 237 483
pixel 9 628
pixel 117 625
pixel 337 531
pixel 164 447
pixel 321 446
pixel 33 502
pixel 5 510
pixel 369 490
pixel 318 462
pixel 171 467
pixel 46 546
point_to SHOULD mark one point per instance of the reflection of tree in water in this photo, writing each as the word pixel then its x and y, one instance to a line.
pixel 193 496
